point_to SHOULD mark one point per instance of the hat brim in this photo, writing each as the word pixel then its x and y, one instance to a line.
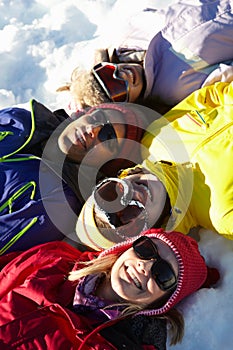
pixel 87 230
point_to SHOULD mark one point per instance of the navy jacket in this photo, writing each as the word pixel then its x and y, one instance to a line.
pixel 36 204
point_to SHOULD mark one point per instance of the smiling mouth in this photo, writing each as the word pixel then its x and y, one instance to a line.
pixel 137 283
pixel 80 139
pixel 134 279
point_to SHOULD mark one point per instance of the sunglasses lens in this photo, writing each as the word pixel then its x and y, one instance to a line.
pixel 127 215
pixel 107 133
pixel 161 270
pixel 116 88
pixel 144 248
pixel 164 275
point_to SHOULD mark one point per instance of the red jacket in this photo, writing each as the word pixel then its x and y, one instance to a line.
pixel 35 296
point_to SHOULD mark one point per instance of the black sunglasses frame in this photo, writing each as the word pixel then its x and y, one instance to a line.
pixel 159 267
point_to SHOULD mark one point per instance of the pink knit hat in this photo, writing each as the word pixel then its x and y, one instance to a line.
pixel 192 268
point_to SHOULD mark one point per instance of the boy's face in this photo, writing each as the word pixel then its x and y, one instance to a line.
pixel 98 135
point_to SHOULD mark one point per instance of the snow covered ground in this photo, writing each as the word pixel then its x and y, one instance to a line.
pixel 40 44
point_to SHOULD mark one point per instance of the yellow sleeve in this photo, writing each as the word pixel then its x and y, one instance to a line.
pixel 217 95
pixel 206 98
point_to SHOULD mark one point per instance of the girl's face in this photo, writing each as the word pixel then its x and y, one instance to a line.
pixel 98 135
pixel 133 73
pixel 131 278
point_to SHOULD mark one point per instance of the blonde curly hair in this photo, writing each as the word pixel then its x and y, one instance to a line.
pixel 84 89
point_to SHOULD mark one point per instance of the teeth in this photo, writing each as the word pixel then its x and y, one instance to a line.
pixel 136 203
pixel 79 137
pixel 137 283
pixel 135 280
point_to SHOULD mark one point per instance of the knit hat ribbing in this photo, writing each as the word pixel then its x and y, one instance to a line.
pixel 192 268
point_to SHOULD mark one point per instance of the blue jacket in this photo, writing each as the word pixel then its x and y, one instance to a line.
pixel 36 204
pixel 23 131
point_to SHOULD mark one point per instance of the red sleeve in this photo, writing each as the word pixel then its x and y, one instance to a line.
pixel 23 264
pixel 6 258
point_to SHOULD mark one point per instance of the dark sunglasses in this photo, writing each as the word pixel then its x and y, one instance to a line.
pixel 115 87
pixel 161 270
pixel 107 132
pixel 114 197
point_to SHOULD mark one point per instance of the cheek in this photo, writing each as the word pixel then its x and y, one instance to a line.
pixel 120 130
pixel 116 280
pixel 153 291
pixel 119 281
pixel 98 156
pixel 151 294
pixel 134 92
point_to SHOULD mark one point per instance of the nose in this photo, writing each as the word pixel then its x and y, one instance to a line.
pixel 93 130
pixel 140 192
pixel 91 134
pixel 144 266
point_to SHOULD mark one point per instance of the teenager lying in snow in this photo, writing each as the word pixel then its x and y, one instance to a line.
pixel 121 299
pixel 184 182
pixel 194 49
pixel 41 197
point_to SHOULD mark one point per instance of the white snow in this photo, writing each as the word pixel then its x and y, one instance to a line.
pixel 41 42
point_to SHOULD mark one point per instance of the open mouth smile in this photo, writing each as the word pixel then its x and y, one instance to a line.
pixel 132 278
pixel 80 139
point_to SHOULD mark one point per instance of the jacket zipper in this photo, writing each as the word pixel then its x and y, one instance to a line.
pixel 210 138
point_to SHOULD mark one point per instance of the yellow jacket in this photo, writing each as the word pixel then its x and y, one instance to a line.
pixel 195 139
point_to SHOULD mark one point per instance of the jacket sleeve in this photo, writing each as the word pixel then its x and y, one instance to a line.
pixel 223 73
pixel 209 97
pixel 16 130
pixel 15 272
